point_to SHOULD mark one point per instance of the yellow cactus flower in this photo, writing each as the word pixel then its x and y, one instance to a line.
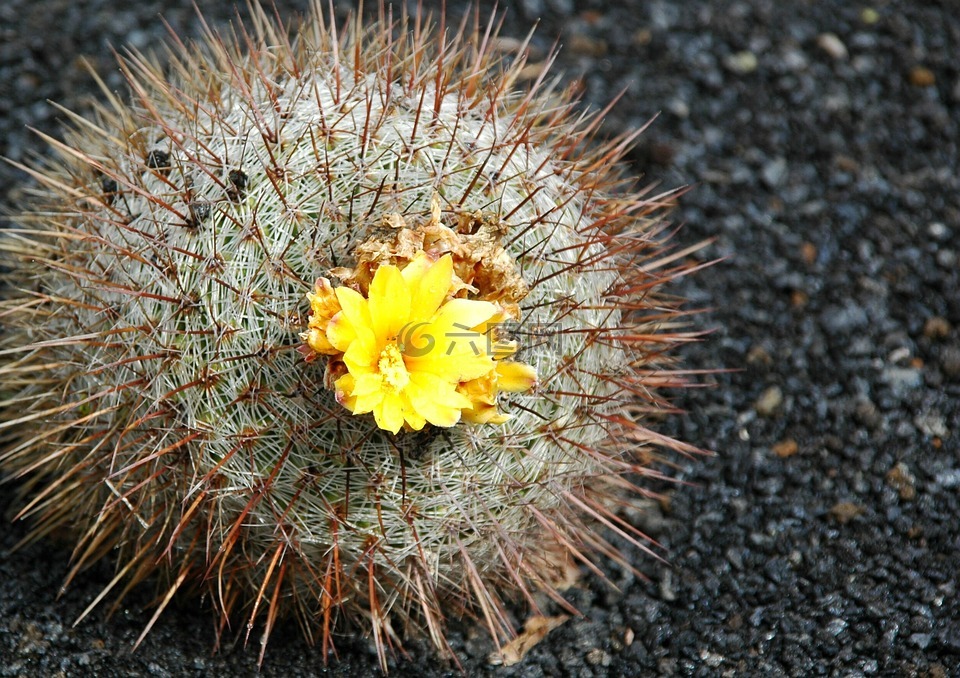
pixel 412 354
pixel 393 346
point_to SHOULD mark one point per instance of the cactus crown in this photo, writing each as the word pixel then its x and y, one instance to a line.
pixel 157 393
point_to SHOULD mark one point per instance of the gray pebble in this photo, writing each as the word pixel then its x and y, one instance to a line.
pixel 902 379
pixel 839 320
pixel 774 172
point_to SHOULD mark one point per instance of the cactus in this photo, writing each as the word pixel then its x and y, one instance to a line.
pixel 169 390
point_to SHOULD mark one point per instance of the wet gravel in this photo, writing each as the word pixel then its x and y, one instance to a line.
pixel 820 140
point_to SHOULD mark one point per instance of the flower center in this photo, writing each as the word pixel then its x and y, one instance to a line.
pixel 393 371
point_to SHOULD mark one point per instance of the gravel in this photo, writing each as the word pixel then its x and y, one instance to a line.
pixel 820 143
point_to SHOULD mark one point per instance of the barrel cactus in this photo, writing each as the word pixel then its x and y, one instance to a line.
pixel 340 323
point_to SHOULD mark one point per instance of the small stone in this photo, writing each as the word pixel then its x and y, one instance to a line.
pixel 946 258
pixel 950 361
pixel 794 59
pixel 921 640
pixel 900 356
pixel 866 412
pixel 735 558
pixel 931 424
pixel 869 16
pixel 845 163
pixel 808 252
pixel 758 355
pixel 598 657
pixel 836 626
pixel 900 479
pixel 844 319
pixel 642 37
pixel 769 401
pixel 832 45
pixel 667 591
pixel 949 638
pixel 741 63
pixel 711 659
pixel 662 154
pixel 799 299
pixel 936 327
pixel 786 448
pixel 949 480
pixel 902 379
pixel 532 9
pixel 845 511
pixel 938 231
pixel 921 76
pixel 774 172
pixel 679 108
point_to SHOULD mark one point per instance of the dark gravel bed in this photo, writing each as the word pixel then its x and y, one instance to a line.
pixel 821 142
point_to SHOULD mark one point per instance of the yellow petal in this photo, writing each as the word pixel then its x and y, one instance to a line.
pixel 323 300
pixel 515 376
pixel 365 384
pixel 362 354
pixel 367 403
pixel 437 414
pixel 317 340
pixel 353 306
pixel 462 315
pixel 389 413
pixel 454 367
pixel 343 389
pixel 481 390
pixel 340 332
pixel 389 303
pixel 430 289
pixel 345 384
pixel 436 400
pixel 414 419
pixel 485 414
pixel 414 271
